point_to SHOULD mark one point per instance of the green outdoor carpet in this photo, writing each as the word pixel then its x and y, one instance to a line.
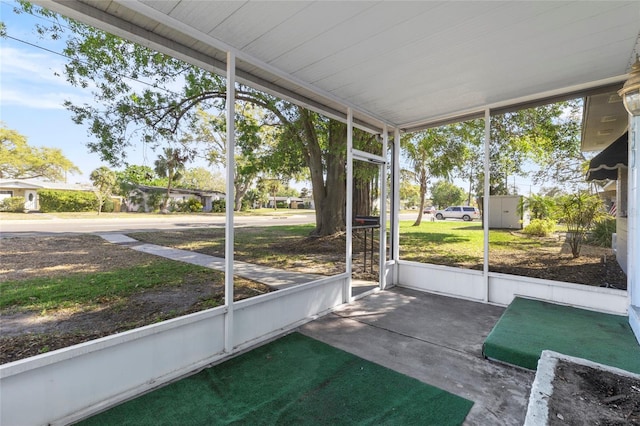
pixel 292 381
pixel 528 327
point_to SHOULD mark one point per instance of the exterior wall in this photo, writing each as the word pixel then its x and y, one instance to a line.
pixel 622 234
pixel 24 192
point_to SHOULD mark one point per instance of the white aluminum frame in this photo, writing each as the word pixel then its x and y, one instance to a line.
pixel 230 202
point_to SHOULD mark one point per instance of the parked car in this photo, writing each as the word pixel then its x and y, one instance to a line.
pixel 466 213
pixel 430 210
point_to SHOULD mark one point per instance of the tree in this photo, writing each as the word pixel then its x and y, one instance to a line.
pixel 539 206
pixel 547 135
pixel 409 193
pixel 171 165
pixel 579 212
pixel 104 180
pixel 203 179
pixel 432 153
pixel 445 193
pixel 129 179
pixel 18 160
pixel 123 112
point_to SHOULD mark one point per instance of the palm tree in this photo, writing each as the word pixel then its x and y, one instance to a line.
pixel 171 165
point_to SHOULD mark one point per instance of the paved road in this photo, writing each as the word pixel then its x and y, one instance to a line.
pixel 52 225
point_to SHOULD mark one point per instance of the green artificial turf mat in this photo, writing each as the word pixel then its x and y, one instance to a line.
pixel 293 380
pixel 528 327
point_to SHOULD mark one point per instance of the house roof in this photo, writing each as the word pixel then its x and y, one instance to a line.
pixel 41 184
pixel 198 192
pixel 606 164
pixel 404 64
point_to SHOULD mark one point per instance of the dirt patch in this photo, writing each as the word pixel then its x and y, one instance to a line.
pixel 30 333
pixel 585 395
pixel 31 257
pixel 552 260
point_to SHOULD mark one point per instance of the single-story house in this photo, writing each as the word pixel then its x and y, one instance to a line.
pixel 139 197
pixel 605 123
pixel 292 202
pixel 28 188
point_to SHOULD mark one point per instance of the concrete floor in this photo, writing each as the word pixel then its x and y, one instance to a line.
pixel 435 339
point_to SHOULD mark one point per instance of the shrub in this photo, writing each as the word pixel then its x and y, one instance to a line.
pixel 601 232
pixel 579 212
pixel 190 205
pixel 67 201
pixel 540 227
pixel 108 206
pixel 12 204
pixel 218 206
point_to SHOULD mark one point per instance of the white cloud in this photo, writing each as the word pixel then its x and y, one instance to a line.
pixel 28 80
pixel 22 65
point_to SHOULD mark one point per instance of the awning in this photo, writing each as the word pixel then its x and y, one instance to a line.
pixel 606 164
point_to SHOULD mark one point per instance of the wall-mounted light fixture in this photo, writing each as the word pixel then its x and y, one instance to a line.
pixel 630 92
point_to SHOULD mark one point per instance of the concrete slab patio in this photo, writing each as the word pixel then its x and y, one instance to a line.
pixel 435 339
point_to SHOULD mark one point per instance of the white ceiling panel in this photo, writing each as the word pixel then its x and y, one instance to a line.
pixel 402 63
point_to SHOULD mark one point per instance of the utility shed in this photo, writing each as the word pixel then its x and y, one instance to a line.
pixel 504 212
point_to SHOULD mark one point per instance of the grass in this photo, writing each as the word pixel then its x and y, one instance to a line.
pixel 455 243
pixel 459 243
pixel 252 244
pixel 442 242
pixel 91 290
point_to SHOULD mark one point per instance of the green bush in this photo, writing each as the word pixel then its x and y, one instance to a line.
pixel 218 206
pixel 190 205
pixel 12 204
pixel 540 227
pixel 67 201
pixel 601 232
pixel 108 206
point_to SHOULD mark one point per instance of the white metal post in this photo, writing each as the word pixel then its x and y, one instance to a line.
pixel 349 212
pixel 383 211
pixel 395 220
pixel 633 226
pixel 485 203
pixel 229 199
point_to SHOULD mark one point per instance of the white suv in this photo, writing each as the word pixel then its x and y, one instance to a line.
pixel 465 213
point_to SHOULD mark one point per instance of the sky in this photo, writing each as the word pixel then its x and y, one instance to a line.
pixel 33 90
pixel 32 96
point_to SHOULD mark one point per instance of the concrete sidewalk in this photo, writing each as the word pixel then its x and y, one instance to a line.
pixel 275 278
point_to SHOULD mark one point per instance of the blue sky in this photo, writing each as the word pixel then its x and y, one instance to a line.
pixel 32 96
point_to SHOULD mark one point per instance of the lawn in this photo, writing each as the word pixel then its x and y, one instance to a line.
pixel 457 243
pixel 57 291
pixel 63 290
pixel 283 247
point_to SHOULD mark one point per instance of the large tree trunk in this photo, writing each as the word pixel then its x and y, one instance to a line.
pixel 328 177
